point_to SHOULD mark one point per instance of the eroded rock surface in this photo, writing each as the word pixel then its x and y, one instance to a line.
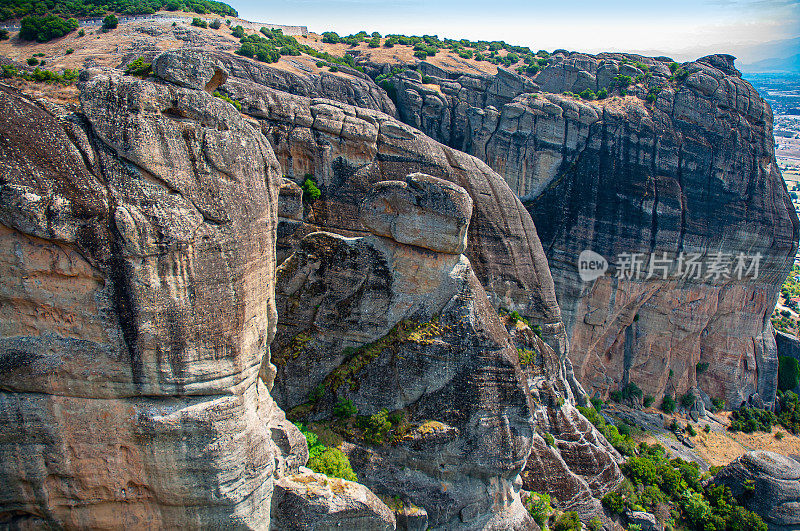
pixel 689 170
pixel 307 500
pixel 405 329
pixel 776 482
pixel 138 239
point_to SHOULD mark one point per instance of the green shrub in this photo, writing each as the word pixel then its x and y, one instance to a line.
pixel 374 42
pixel 526 356
pixel 199 22
pixel 707 428
pixel 623 81
pixel 718 404
pixel 376 427
pixel 549 439
pixel 668 404
pixel 310 191
pixel 568 521
pixel 70 51
pixel 595 524
pixel 331 37
pixel 110 22
pixel 624 429
pixel 422 54
pixel 690 430
pixel 749 420
pixel 588 94
pixel 238 32
pixel 345 409
pixel 82 33
pixel 614 503
pixel 9 71
pixel 43 29
pixel 701 367
pixel 138 67
pixel 333 463
pixel 538 506
pixel 32 61
pixel 333 68
pixel 648 400
pixel 215 24
pixel 597 404
pixel 788 373
pixel 4 36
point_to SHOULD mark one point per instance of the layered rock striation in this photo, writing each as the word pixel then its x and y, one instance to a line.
pixel 683 164
pixel 138 237
pixel 398 322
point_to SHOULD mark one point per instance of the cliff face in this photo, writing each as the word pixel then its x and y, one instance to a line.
pixel 691 171
pixel 138 239
pixel 397 321
pixel 138 305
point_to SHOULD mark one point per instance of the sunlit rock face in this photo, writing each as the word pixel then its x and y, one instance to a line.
pixel 137 308
pixel 689 170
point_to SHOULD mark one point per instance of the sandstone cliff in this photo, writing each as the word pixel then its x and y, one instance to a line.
pixel 138 237
pixel 691 169
pixel 397 321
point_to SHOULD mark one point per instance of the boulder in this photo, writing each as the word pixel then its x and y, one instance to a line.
pixel 138 308
pixel 647 521
pixel 307 500
pixel 775 483
pixel 424 211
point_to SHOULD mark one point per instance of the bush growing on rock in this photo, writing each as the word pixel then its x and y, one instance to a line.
pixel 568 521
pixel 538 506
pixel 688 400
pixel 345 409
pixel 43 29
pixel 310 191
pixel 110 22
pixel 199 22
pixel 375 427
pixel 668 404
pixel 138 67
pixel 329 461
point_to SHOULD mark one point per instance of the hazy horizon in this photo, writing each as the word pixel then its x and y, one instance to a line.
pixel 751 30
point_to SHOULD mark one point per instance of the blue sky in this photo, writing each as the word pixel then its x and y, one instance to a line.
pixel 683 29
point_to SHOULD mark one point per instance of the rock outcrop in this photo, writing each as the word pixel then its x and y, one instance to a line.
pixel 774 486
pixel 348 149
pixel 408 330
pixel 138 238
pixel 683 164
pixel 307 500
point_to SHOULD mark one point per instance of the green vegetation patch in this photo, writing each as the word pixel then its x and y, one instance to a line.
pixel 45 28
pixel 97 8
pixel 695 503
pixel 329 461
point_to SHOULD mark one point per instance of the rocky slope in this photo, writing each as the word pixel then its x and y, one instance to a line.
pixel 691 170
pixel 138 309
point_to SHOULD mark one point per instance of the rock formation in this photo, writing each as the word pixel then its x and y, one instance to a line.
pixel 347 149
pixel 774 483
pixel 138 307
pixel 683 164
pixel 397 321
